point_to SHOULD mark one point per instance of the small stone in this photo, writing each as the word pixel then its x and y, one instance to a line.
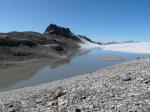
pixel 62 102
pixel 39 101
pixel 83 98
pixel 113 107
pixel 147 81
pixel 77 110
pixel 52 103
pixel 57 93
pixel 126 78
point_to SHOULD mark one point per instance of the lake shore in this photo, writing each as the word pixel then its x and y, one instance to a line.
pixel 122 87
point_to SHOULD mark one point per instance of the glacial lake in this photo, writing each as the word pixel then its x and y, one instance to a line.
pixel 85 61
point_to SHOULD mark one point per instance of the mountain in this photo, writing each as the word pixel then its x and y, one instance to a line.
pixel 54 43
pixel 52 35
pixel 61 31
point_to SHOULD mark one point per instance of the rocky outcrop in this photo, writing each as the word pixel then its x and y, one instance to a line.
pixel 58 30
pixel 34 37
pixel 15 42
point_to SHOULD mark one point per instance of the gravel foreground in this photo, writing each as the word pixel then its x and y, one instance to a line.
pixel 120 88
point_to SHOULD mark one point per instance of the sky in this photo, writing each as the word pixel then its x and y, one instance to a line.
pixel 100 20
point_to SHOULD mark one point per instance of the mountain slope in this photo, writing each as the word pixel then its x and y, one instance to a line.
pixel 56 42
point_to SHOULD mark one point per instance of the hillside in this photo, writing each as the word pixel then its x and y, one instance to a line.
pixel 55 43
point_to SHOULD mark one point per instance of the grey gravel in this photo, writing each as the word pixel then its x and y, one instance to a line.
pixel 120 88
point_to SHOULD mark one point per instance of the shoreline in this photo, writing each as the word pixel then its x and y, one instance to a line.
pixel 113 88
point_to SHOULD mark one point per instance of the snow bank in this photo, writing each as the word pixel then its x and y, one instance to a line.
pixel 137 47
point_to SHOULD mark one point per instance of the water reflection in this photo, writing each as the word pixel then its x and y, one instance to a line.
pixel 82 62
pixel 12 76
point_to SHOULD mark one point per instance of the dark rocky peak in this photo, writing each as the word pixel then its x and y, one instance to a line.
pixel 54 29
pixel 61 31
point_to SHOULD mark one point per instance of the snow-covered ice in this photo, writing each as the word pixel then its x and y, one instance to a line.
pixel 135 47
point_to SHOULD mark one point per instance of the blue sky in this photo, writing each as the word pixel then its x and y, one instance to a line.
pixel 101 20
